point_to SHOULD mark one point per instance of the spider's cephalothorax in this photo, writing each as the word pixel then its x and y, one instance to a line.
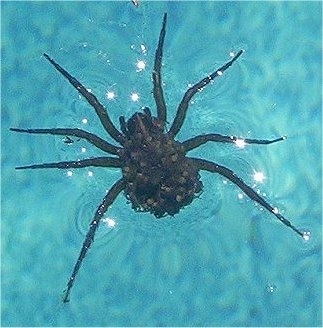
pixel 157 175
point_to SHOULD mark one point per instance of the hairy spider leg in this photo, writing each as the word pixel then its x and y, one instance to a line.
pixel 103 207
pixel 92 138
pixel 147 112
pixel 203 164
pixel 156 74
pixel 183 106
pixel 96 161
pixel 123 123
pixel 199 140
pixel 123 126
pixel 92 100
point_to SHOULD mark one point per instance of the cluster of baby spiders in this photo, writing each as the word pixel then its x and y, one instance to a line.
pixel 157 175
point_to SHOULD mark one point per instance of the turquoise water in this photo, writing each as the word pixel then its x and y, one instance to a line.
pixel 222 261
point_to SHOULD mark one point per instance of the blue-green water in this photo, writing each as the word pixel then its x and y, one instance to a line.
pixel 220 262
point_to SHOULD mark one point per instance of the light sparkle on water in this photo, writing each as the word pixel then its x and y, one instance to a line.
pixel 110 95
pixel 259 176
pixel 110 223
pixel 240 143
pixel 271 288
pixel 141 65
pixel 306 235
pixel 134 96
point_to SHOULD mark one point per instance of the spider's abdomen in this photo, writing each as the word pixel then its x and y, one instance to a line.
pixel 158 176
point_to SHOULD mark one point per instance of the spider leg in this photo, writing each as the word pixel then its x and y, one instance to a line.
pixel 202 139
pixel 96 161
pixel 123 123
pixel 182 108
pixel 156 75
pixel 92 138
pixel 123 126
pixel 202 164
pixel 92 100
pixel 147 112
pixel 106 202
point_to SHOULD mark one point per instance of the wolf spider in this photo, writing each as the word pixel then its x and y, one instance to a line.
pixel 157 175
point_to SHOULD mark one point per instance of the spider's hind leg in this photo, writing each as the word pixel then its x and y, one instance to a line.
pixel 95 161
pixel 203 164
pixel 103 207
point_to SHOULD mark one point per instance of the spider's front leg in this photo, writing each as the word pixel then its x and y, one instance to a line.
pixel 199 140
pixel 156 75
pixel 203 164
pixel 90 137
pixel 92 100
pixel 106 202
pixel 183 106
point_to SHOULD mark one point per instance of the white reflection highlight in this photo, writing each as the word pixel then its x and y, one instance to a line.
pixel 110 223
pixel 240 143
pixel 306 235
pixel 83 149
pixel 69 173
pixel 271 288
pixel 110 95
pixel 90 173
pixel 259 176
pixel 84 120
pixel 240 195
pixel 134 96
pixel 143 48
pixel 141 65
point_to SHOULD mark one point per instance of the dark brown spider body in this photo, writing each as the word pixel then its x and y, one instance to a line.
pixel 157 174
pixel 159 178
